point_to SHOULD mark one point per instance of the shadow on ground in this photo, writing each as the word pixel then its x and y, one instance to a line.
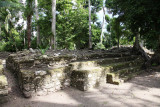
pixel 142 91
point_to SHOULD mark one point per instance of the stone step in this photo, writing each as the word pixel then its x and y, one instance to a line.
pixel 117 66
pixel 15 63
pixel 132 75
pixel 103 55
pixel 123 75
pixel 102 61
pixel 85 79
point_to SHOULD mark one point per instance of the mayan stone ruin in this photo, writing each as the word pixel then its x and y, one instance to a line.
pixel 40 74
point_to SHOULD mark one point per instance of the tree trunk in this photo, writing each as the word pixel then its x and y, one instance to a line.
pixel 24 39
pixel 118 42
pixel 53 39
pixel 90 28
pixel 29 22
pixel 37 18
pixel 51 42
pixel 136 44
pixel 118 32
pixel 159 43
pixel 102 34
pixel 0 28
pixel 156 57
pixel 138 49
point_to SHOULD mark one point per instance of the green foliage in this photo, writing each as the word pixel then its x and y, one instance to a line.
pixel 15 42
pixel 139 14
pixel 151 41
pixel 7 21
pixel 125 41
pixel 107 18
pixel 34 43
pixel 43 50
pixel 12 46
pixel 99 46
pixel 117 32
pixel 96 32
pixel 9 4
pixel 154 64
pixel 72 25
pixel 29 8
pixel 97 5
pixel 2 45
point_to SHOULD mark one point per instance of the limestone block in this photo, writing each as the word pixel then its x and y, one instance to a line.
pixel 86 79
pixel 3 82
pixel 110 77
pixel 3 89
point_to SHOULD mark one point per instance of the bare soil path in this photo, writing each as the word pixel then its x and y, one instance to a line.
pixel 142 91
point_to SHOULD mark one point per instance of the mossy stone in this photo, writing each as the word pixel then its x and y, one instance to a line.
pixel 1 69
pixel 110 77
pixel 3 81
pixel 116 82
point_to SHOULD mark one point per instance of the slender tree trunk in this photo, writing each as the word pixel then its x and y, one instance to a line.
pixel 24 39
pixel 137 48
pixel 53 39
pixel 90 28
pixel 102 33
pixel 118 41
pixel 29 22
pixel 136 44
pixel 137 37
pixel 37 18
pixel 158 44
pixel 0 29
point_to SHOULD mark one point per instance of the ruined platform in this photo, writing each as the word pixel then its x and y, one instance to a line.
pixel 43 74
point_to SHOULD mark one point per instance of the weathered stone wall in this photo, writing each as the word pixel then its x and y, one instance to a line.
pixel 39 74
pixel 42 74
pixel 88 79
pixel 3 85
pixel 42 82
pixel 3 89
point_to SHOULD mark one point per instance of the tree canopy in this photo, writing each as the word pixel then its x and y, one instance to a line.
pixel 72 24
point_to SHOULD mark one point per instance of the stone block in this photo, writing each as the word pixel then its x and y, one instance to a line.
pixel 87 79
pixel 110 77
pixel 3 82
pixel 3 89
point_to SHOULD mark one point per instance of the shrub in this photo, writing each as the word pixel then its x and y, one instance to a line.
pixel 99 46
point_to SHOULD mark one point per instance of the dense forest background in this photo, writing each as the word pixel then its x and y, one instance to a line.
pixel 73 24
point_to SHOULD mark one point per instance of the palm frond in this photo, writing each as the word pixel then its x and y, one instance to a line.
pixel 8 4
pixel 7 22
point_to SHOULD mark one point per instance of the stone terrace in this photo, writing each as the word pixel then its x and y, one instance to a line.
pixel 43 74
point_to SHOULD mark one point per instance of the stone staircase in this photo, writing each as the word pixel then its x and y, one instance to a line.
pixel 43 74
pixel 93 73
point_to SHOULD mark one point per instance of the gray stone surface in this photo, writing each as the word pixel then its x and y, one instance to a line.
pixel 3 89
pixel 43 74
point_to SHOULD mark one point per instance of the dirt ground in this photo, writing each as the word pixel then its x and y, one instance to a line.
pixel 142 91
